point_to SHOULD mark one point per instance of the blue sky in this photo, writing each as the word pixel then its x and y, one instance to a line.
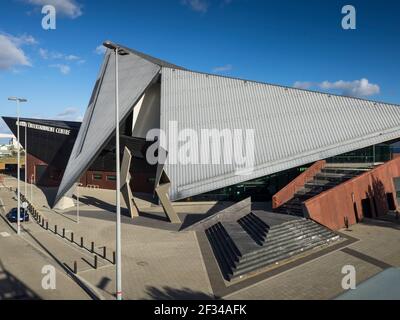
pixel 288 42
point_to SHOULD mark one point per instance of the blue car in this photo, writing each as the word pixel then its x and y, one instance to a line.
pixel 12 215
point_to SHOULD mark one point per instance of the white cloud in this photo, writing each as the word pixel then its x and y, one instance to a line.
pixel 11 54
pixel 197 5
pixel 72 57
pixel 303 85
pixel 100 50
pixel 64 69
pixel 356 88
pixel 69 8
pixel 54 55
pixel 44 53
pixel 224 68
pixel 71 114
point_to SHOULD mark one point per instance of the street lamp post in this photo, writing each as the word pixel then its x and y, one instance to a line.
pixel 26 162
pixel 77 202
pixel 18 101
pixel 117 51
pixel 32 182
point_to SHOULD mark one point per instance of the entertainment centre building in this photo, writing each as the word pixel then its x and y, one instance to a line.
pixel 341 144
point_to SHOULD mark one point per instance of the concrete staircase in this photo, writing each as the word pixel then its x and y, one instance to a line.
pixel 260 239
pixel 330 176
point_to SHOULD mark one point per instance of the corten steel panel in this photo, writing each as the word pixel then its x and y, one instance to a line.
pixel 330 208
pixel 292 127
pixel 98 127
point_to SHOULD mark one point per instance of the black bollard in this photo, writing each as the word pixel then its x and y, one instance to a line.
pixel 47 225
pixel 92 249
pixel 72 237
pixel 63 233
pixel 114 259
pixel 81 242
pixel 55 229
pixel 75 267
pixel 95 262
pixel 104 252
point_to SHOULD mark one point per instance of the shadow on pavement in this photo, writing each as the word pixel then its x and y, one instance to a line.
pixel 168 293
pixel 13 289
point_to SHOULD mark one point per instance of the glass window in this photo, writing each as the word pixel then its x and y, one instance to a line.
pixel 111 178
pixel 97 176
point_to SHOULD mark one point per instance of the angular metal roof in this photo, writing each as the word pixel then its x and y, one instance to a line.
pixel 136 74
pixel 292 127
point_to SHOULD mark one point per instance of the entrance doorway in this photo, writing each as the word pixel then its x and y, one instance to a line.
pixel 366 208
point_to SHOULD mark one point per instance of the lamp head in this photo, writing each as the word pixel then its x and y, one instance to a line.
pixel 17 99
pixel 115 47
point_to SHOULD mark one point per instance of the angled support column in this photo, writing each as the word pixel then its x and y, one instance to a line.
pixel 162 191
pixel 125 183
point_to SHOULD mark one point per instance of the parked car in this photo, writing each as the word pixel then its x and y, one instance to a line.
pixel 12 215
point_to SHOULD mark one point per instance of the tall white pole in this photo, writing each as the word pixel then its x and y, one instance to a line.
pixel 26 163
pixel 118 186
pixel 18 175
pixel 77 203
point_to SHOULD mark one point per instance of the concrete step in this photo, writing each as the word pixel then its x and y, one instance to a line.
pixel 249 243
pixel 268 260
pixel 226 260
pixel 294 234
pixel 255 227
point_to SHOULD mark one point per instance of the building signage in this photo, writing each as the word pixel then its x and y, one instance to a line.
pixel 42 127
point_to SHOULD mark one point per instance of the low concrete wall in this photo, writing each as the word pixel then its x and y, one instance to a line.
pixel 287 193
pixel 363 196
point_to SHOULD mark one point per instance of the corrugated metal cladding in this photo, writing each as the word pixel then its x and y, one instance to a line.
pixel 135 75
pixel 292 127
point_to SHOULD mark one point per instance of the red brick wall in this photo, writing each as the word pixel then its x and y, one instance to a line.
pixel 331 207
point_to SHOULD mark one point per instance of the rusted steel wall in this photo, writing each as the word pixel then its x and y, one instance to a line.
pixel 285 194
pixel 363 196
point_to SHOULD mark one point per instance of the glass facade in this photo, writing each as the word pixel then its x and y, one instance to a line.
pixel 377 153
pixel 261 189
pixel 264 188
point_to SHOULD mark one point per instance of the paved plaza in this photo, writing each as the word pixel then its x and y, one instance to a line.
pixel 162 261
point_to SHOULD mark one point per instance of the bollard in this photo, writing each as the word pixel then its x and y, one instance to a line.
pixel 104 252
pixel 114 257
pixel 92 249
pixel 42 223
pixel 81 242
pixel 63 233
pixel 95 262
pixel 47 225
pixel 75 267
pixel 72 237
pixel 346 222
pixel 40 219
pixel 55 229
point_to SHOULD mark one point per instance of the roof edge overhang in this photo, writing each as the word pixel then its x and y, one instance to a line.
pixel 282 165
